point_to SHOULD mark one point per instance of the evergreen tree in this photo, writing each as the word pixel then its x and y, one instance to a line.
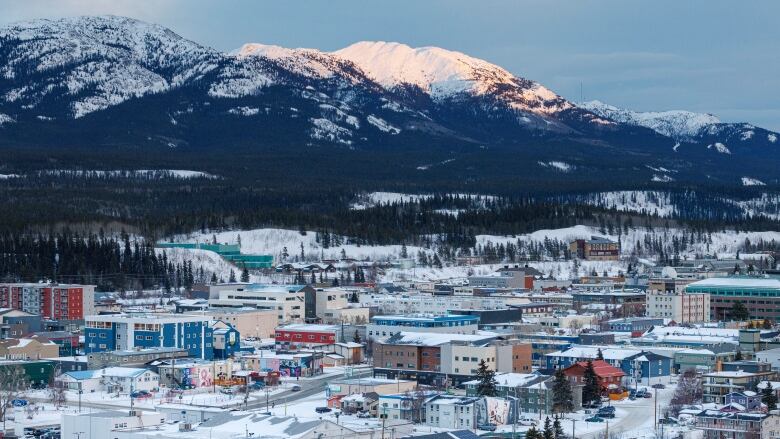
pixel 244 274
pixel 533 433
pixel 558 429
pixel 232 276
pixel 213 278
pixel 739 312
pixel 738 355
pixel 487 380
pixel 548 432
pixel 591 392
pixel 769 397
pixel 404 252
pixel 356 337
pixel 313 278
pixel 599 354
pixel 562 393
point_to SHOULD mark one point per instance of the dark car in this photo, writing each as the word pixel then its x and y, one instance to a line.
pixel 648 395
pixel 322 409
pixel 609 409
pixel 595 419
pixel 487 427
pixel 658 386
pixel 141 394
pixel 296 388
pixel 667 421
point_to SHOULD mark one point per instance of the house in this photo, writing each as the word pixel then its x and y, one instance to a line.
pixel 33 348
pixel 749 400
pixel 703 359
pixel 353 353
pixel 111 379
pixel 717 385
pixel 35 371
pixel 226 339
pixel 635 363
pixel 533 391
pixel 15 323
pixel 608 376
pixel 360 403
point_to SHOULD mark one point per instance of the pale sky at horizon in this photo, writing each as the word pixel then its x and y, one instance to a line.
pixel 721 57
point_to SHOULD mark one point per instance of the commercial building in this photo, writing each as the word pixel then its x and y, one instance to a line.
pixel 289 301
pixel 678 306
pixel 428 304
pixel 450 411
pixel 595 249
pixel 761 296
pixel 135 357
pixel 716 385
pixel 447 359
pixel 51 301
pixel 111 379
pixel 300 335
pixel 382 327
pixel 251 323
pixel 128 332
pixel 516 277
pixel 34 348
pixel 717 424
pixel 114 424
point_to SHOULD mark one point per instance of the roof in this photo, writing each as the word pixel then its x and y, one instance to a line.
pixel 459 434
pixel 118 372
pixel 510 379
pixel 739 282
pixel 601 367
pixel 592 352
pixel 308 327
pixel 436 339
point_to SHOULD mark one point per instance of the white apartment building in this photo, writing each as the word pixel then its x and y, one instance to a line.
pixel 450 411
pixel 289 301
pixel 430 304
pixel 679 306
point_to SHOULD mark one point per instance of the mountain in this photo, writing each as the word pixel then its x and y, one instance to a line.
pixel 94 88
pixel 687 126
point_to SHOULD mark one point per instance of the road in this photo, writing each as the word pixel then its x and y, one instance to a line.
pixel 637 419
pixel 309 387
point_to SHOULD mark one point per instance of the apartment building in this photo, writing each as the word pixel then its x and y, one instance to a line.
pixel 428 304
pixel 300 335
pixel 761 296
pixel 128 332
pixel 670 302
pixel 51 301
pixel 254 323
pixel 595 249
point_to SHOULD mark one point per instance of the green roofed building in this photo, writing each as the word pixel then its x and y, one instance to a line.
pixel 229 252
pixel 761 296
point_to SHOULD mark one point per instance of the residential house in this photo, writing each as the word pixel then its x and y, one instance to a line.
pixel 608 376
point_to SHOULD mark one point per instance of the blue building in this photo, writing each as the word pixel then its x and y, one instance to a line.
pixel 382 327
pixel 636 364
pixel 127 332
pixel 227 340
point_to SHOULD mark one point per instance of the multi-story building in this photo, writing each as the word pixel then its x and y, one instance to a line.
pixel 507 277
pixel 300 335
pixel 133 358
pixel 627 302
pixel 595 249
pixel 382 327
pixel 33 348
pixel 447 359
pixel 607 375
pixel 450 411
pixel 251 323
pixel 109 424
pixel 635 363
pixel 679 306
pixel 718 424
pixel 534 391
pixel 717 385
pixel 289 301
pixel 127 332
pixel 761 296
pixel 51 301
pixel 428 304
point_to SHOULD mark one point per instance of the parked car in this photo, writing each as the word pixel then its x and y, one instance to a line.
pixel 257 385
pixel 322 409
pixel 595 419
pixel 38 386
pixel 364 415
pixel 527 422
pixel 296 388
pixel 487 427
pixel 608 408
pixel 227 390
pixel 658 386
pixel 648 395
pixel 19 402
pixel 609 415
pixel 668 421
pixel 140 394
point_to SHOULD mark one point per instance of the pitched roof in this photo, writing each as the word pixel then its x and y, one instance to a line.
pixel 601 367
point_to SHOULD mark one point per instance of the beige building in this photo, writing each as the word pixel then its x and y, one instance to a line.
pixel 253 323
pixel 28 349
pixel 678 305
pixel 354 316
pixel 288 301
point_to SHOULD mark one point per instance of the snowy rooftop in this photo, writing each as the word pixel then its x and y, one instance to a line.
pixel 435 339
pixel 739 282
pixel 510 379
pixel 308 327
pixel 592 352
pixel 117 372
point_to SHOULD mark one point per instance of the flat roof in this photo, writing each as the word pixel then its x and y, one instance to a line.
pixel 740 282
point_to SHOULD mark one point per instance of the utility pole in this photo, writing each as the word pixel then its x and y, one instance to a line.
pixel 573 423
pixel 655 410
pixel 384 418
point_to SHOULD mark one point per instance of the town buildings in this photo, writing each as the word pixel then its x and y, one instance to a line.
pixel 678 305
pixel 289 301
pixel 298 336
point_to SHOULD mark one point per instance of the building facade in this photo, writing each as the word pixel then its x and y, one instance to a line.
pixel 679 306
pixel 595 249
pixel 382 327
pixel 51 301
pixel 126 332
pixel 761 296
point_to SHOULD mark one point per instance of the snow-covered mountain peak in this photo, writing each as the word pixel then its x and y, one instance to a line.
pixel 678 124
pixel 444 73
pixel 308 62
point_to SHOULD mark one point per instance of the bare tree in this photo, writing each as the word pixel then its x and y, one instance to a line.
pixel 57 395
pixel 13 383
pixel 689 391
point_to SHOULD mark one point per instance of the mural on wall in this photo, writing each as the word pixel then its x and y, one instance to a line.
pixel 496 411
pixel 197 377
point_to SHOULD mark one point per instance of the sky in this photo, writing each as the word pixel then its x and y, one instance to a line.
pixel 719 57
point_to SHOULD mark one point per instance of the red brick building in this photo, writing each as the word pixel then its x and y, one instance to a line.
pixel 50 301
pixel 606 373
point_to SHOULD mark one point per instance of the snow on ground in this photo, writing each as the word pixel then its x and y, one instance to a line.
pixel 747 181
pixel 273 241
pixel 560 166
pixel 381 198
pixel 130 173
pixel 648 202
pixel 208 260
